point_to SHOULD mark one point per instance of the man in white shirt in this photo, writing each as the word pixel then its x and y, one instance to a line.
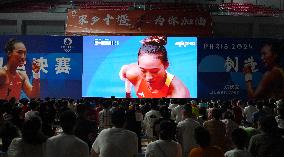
pixel 185 131
pixel 176 113
pixel 105 117
pixel 116 141
pixel 248 112
pixel 67 144
pixel 149 120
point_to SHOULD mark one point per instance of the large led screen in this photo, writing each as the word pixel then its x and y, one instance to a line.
pixel 139 66
pixel 40 66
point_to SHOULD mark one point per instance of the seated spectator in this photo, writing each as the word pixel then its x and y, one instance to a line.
pixel 269 142
pixel 32 143
pixel 165 146
pixel 202 137
pixel 240 139
pixel 116 141
pixel 185 131
pixel 67 144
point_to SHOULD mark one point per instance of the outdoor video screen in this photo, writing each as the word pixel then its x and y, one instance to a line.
pixel 40 67
pixel 139 66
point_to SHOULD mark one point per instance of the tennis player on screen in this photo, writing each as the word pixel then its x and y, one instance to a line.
pixel 149 76
pixel 12 81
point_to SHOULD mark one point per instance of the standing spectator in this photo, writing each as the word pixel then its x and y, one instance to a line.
pixel 67 144
pixel 248 112
pixel 185 131
pixel 85 129
pixel 32 143
pixel 8 130
pixel 165 115
pixel 176 113
pixel 116 141
pixel 139 119
pixel 217 129
pixel 280 117
pixel 202 137
pixel 238 112
pixel 260 113
pixel 165 146
pixel 33 109
pixel 149 120
pixel 105 117
pixel 230 126
pixel 269 142
pixel 202 115
pixel 240 139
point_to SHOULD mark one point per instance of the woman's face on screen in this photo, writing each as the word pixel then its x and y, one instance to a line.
pixel 267 56
pixel 152 70
pixel 18 55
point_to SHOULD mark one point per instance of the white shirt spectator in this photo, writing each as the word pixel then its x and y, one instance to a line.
pixel 237 153
pixel 149 120
pixel 172 106
pixel 64 145
pixel 162 148
pixel 280 122
pixel 185 135
pixel 105 119
pixel 31 114
pixel 176 113
pixel 248 113
pixel 116 142
pixel 18 148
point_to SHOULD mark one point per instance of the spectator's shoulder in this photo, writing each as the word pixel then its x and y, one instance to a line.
pixel 17 140
pixel 131 133
pixel 53 138
pixel 181 123
pixel 81 142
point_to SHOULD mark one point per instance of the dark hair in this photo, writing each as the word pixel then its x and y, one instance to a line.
pixel 277 48
pixel 68 121
pixel 33 104
pixel 216 113
pixel 167 130
pixel 165 112
pixel 118 118
pixel 228 115
pixel 240 138
pixel 155 45
pixel 281 112
pixel 31 131
pixel 10 45
pixel 187 109
pixel 202 136
pixel 268 124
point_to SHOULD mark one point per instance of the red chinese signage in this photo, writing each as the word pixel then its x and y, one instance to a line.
pixel 98 22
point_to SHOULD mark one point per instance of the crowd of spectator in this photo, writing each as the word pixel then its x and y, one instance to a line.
pixel 101 127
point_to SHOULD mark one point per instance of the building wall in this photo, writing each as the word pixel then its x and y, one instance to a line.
pixel 224 26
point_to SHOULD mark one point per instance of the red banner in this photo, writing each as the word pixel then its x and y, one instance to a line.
pixel 110 22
